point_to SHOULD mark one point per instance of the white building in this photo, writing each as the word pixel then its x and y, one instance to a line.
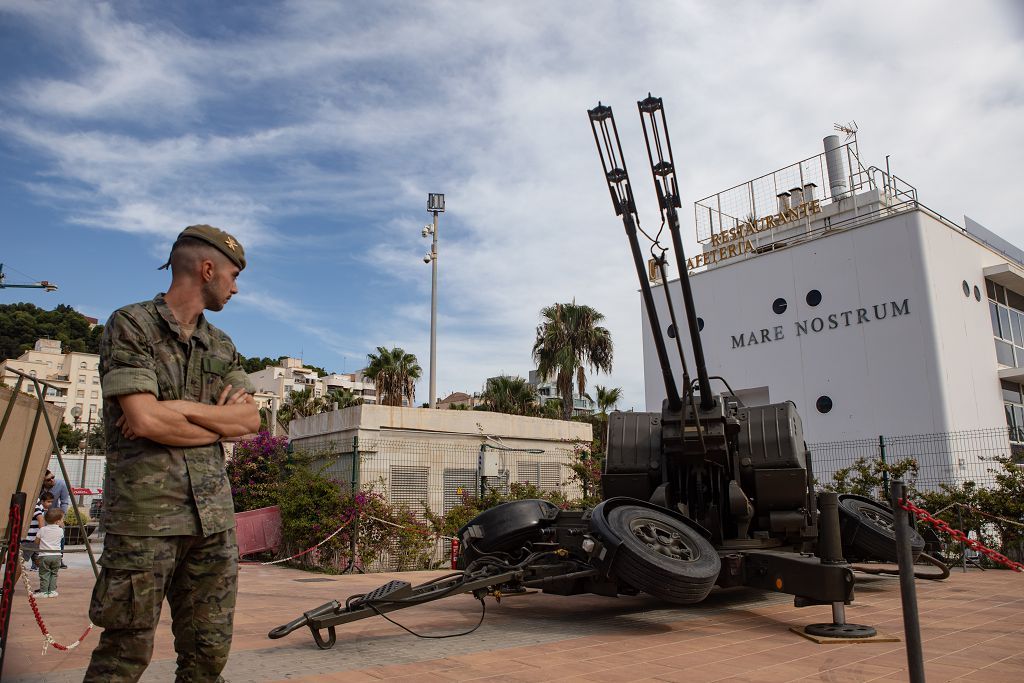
pixel 356 382
pixel 74 378
pixel 547 390
pixel 873 313
pixel 277 381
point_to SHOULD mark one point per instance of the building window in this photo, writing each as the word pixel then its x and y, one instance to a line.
pixel 80 393
pixel 81 379
pixel 95 394
pixel 82 365
pixel 1014 408
pixel 95 380
pixel 1006 309
pixel 967 288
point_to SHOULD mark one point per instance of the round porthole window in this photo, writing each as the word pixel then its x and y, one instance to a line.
pixel 700 324
pixel 671 332
pixel 967 289
pixel 977 293
pixel 813 297
pixel 823 404
pixel 779 305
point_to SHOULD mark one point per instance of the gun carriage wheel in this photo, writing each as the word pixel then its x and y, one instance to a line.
pixel 662 556
pixel 869 530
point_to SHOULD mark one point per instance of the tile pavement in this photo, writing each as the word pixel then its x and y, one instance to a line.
pixel 971 626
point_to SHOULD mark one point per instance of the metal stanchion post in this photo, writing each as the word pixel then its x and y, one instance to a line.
pixel 830 551
pixel 963 551
pixel 885 468
pixel 908 591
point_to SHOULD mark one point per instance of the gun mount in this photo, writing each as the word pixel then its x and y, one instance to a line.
pixel 741 472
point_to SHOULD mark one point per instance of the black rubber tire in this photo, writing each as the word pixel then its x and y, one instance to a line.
pixel 507 528
pixel 869 532
pixel 662 556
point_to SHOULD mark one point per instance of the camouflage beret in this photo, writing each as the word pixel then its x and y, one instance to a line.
pixel 215 237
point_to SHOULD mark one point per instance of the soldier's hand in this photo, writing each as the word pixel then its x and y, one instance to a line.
pixel 122 424
pixel 226 398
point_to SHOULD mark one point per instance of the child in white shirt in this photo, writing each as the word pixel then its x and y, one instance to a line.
pixel 49 538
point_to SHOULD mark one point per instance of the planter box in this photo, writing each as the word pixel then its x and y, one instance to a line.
pixel 73 535
pixel 258 530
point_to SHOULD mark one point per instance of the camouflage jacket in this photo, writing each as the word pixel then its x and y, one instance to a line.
pixel 151 489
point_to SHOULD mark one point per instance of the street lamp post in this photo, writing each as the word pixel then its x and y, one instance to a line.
pixel 76 413
pixel 435 205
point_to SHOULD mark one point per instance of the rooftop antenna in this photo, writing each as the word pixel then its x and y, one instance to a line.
pixel 850 129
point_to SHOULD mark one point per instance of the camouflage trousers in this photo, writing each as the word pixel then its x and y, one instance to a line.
pixel 198 576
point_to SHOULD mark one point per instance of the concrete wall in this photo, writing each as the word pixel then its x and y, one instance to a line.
pixel 374 422
pixel 430 457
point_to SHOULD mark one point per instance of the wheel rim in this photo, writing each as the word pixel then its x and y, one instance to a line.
pixel 880 519
pixel 664 539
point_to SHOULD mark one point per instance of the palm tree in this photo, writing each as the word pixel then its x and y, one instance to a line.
pixel 552 409
pixel 394 372
pixel 510 395
pixel 606 398
pixel 569 339
pixel 345 398
pixel 299 404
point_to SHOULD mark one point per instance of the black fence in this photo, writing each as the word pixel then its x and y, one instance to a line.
pixel 950 458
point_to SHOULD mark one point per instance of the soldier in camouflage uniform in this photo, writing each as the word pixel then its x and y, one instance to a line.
pixel 173 387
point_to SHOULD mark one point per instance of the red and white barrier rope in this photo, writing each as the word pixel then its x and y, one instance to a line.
pixel 309 549
pixel 942 526
pixel 335 533
pixel 48 640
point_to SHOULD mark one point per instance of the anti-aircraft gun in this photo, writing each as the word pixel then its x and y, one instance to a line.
pixel 741 474
pixel 704 492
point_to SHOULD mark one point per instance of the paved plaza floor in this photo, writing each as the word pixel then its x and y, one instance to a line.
pixel 972 626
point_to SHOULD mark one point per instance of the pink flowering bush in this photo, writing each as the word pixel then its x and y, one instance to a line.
pixel 256 470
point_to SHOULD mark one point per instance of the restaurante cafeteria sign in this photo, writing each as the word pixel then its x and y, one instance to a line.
pixel 734 242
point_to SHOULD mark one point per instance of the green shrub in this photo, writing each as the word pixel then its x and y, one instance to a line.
pixel 866 477
pixel 311 508
pixel 996 514
pixel 71 519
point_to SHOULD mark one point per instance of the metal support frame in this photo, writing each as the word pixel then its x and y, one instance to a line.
pixel 41 416
pixel 333 613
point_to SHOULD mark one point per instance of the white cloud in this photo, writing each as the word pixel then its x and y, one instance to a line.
pixel 354 115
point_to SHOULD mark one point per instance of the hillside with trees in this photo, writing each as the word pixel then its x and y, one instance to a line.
pixel 22 324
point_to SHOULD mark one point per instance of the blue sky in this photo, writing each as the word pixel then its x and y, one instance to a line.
pixel 314 130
